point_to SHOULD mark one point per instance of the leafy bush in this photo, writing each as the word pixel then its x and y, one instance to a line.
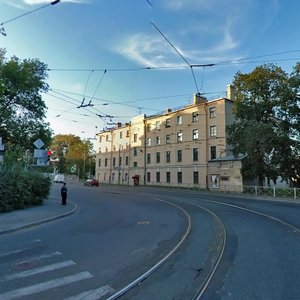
pixel 20 188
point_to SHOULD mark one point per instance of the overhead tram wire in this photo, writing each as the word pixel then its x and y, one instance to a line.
pixel 99 83
pixel 103 116
pixel 184 59
pixel 246 60
pixel 83 96
pixel 2 30
pixel 105 100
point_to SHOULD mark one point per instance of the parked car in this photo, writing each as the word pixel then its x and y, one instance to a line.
pixel 59 178
pixel 91 182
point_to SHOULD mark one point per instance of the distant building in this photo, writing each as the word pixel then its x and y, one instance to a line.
pixel 173 148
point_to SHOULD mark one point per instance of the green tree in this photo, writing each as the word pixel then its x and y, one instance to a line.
pixel 266 128
pixel 22 109
pixel 71 151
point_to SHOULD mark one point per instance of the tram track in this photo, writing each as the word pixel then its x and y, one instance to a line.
pixel 204 274
pixel 205 278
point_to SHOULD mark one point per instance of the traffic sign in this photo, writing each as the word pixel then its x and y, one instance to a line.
pixel 39 143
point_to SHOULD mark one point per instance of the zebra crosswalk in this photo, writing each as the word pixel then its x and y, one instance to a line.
pixel 46 276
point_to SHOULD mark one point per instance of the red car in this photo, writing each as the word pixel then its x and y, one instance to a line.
pixel 91 182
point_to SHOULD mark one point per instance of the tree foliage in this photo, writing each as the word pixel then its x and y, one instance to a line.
pixel 70 151
pixel 19 186
pixel 22 109
pixel 267 125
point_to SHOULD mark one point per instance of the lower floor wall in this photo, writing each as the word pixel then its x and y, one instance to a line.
pixel 200 177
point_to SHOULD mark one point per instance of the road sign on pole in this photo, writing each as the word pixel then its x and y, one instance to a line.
pixel 39 143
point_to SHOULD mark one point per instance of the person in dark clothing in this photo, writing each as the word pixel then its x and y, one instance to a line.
pixel 64 193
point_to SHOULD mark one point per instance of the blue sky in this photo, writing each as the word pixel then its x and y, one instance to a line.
pixel 80 39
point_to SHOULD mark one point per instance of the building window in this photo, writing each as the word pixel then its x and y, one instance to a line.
pixel 120 161
pixel 212 112
pixel 148 177
pixel 168 156
pixel 168 122
pixel 157 157
pixel 168 177
pixel 134 151
pixel 100 139
pixel 179 155
pixel 148 141
pixel 158 140
pixel 179 136
pixel 105 162
pixel 195 134
pixel 195 116
pixel 121 134
pixel 148 127
pixel 179 177
pixel 213 131
pixel 135 137
pixel 106 138
pixel 179 120
pixel 195 154
pixel 168 139
pixel 126 161
pixel 99 162
pixel 114 161
pixel 196 177
pixel 157 125
pixel 135 164
pixel 127 133
pixel 148 158
pixel 157 176
pixel 213 152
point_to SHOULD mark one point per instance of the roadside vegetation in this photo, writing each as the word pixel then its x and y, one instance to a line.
pixel 267 124
pixel 19 186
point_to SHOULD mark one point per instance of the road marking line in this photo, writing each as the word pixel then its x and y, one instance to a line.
pixel 40 270
pixel 56 253
pixel 93 294
pixel 44 286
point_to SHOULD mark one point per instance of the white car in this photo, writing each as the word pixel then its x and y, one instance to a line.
pixel 59 178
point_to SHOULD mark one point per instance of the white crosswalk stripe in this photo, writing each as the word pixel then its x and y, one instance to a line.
pixel 22 278
pixel 44 286
pixel 40 270
pixel 93 294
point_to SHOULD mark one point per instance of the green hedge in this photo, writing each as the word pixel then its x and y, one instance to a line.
pixel 20 188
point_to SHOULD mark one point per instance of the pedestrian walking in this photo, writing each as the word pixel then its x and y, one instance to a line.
pixel 64 194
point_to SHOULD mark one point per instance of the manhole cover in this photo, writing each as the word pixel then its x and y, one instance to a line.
pixel 26 264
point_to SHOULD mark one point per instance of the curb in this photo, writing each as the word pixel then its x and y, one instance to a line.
pixel 39 222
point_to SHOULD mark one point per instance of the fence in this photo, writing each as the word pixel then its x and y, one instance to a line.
pixel 276 192
pixel 257 191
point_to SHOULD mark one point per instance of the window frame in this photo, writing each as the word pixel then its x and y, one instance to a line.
pixel 195 134
pixel 213 131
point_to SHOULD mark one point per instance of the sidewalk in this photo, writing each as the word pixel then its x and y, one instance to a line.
pixel 25 218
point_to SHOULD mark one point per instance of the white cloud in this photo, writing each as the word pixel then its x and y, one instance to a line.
pixel 147 51
pixel 153 51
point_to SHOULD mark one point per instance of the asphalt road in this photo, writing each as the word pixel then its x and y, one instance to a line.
pixel 119 233
pixel 99 246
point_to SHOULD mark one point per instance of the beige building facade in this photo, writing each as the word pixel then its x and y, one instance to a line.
pixel 169 149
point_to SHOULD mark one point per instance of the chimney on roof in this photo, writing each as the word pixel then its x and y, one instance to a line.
pixel 229 92
pixel 198 99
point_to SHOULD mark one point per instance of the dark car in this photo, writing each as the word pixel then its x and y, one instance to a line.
pixel 91 182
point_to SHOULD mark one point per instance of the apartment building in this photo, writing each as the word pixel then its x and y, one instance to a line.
pixel 172 148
